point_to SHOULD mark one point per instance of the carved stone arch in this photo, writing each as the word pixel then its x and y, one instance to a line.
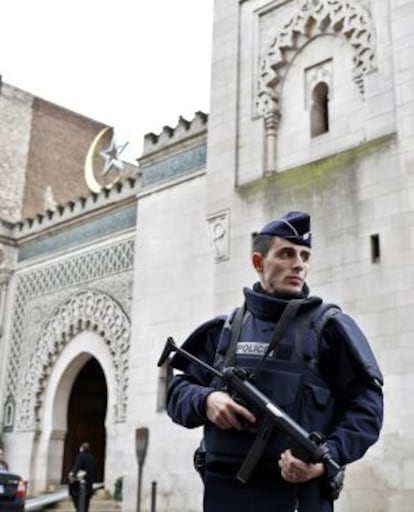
pixel 87 310
pixel 314 18
pixel 345 18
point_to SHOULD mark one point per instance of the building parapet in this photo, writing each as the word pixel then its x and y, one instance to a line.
pixel 118 193
pixel 6 229
pixel 175 153
pixel 78 234
pixel 184 131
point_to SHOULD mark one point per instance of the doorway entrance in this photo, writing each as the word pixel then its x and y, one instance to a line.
pixel 86 418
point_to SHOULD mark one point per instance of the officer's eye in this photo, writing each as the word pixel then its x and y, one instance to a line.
pixel 285 253
pixel 305 256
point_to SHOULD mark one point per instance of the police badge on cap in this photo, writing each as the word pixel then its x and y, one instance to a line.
pixel 294 226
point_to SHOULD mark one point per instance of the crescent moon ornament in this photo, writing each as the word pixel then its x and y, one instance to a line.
pixel 90 179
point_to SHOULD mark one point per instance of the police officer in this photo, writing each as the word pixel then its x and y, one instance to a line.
pixel 328 382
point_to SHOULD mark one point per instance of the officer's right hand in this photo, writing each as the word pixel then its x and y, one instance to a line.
pixel 224 412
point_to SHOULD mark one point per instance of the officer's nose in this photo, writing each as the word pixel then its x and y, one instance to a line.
pixel 298 262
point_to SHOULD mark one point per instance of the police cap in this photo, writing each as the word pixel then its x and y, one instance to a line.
pixel 294 226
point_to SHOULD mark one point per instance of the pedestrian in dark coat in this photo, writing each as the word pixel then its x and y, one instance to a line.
pixel 329 383
pixel 84 462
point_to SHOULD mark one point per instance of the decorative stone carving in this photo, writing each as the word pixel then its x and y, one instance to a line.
pixel 9 410
pixel 89 310
pixel 271 127
pixel 312 18
pixel 69 272
pixel 4 283
pixel 219 228
pixel 50 205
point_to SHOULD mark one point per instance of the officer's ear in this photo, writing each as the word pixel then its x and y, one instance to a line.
pixel 257 262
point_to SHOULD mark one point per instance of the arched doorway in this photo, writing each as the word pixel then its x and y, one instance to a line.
pixel 86 417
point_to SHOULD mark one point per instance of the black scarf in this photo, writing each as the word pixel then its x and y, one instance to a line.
pixel 270 307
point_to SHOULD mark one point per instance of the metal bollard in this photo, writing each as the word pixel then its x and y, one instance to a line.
pixel 153 496
pixel 141 444
pixel 82 491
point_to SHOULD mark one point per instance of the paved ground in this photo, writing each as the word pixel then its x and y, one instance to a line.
pixel 59 502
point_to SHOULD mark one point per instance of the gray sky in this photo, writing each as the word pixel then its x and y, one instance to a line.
pixel 134 64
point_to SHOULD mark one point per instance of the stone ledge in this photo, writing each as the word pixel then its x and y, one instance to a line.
pixel 73 209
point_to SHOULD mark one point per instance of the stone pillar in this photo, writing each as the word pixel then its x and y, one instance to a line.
pixel 272 121
pixel 4 283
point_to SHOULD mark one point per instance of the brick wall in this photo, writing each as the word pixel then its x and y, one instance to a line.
pixel 59 143
pixel 43 145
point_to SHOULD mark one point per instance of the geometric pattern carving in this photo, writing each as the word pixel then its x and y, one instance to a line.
pixel 345 18
pixel 89 310
pixel 66 273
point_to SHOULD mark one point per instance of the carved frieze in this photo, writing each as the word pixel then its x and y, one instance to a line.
pixel 66 277
pixel 312 18
pixel 88 310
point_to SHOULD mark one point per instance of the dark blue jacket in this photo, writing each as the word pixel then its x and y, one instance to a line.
pixel 342 397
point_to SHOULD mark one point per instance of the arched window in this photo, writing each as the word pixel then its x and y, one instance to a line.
pixel 320 109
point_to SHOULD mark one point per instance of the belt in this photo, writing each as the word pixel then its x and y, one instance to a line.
pixel 231 469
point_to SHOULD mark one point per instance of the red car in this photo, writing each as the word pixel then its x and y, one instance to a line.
pixel 12 492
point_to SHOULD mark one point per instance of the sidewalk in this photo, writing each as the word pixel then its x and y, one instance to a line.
pixel 100 502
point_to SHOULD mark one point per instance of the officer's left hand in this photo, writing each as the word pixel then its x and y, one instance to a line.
pixel 295 471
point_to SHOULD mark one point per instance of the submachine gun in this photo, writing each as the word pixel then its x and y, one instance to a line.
pixel 309 447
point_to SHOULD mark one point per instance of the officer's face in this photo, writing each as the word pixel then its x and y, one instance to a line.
pixel 284 268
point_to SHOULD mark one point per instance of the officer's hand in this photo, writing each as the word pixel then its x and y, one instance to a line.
pixel 296 471
pixel 224 412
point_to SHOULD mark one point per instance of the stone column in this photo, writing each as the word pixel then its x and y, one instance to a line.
pixel 271 121
pixel 4 283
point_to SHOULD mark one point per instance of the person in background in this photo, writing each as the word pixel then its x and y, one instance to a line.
pixel 84 462
pixel 328 382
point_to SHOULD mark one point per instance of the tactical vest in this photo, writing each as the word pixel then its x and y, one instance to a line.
pixel 289 377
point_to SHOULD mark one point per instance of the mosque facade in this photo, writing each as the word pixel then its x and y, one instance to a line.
pixel 311 108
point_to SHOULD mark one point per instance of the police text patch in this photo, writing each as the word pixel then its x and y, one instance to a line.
pixel 253 348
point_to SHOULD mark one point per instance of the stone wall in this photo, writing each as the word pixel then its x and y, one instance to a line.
pixel 356 180
pixel 15 132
